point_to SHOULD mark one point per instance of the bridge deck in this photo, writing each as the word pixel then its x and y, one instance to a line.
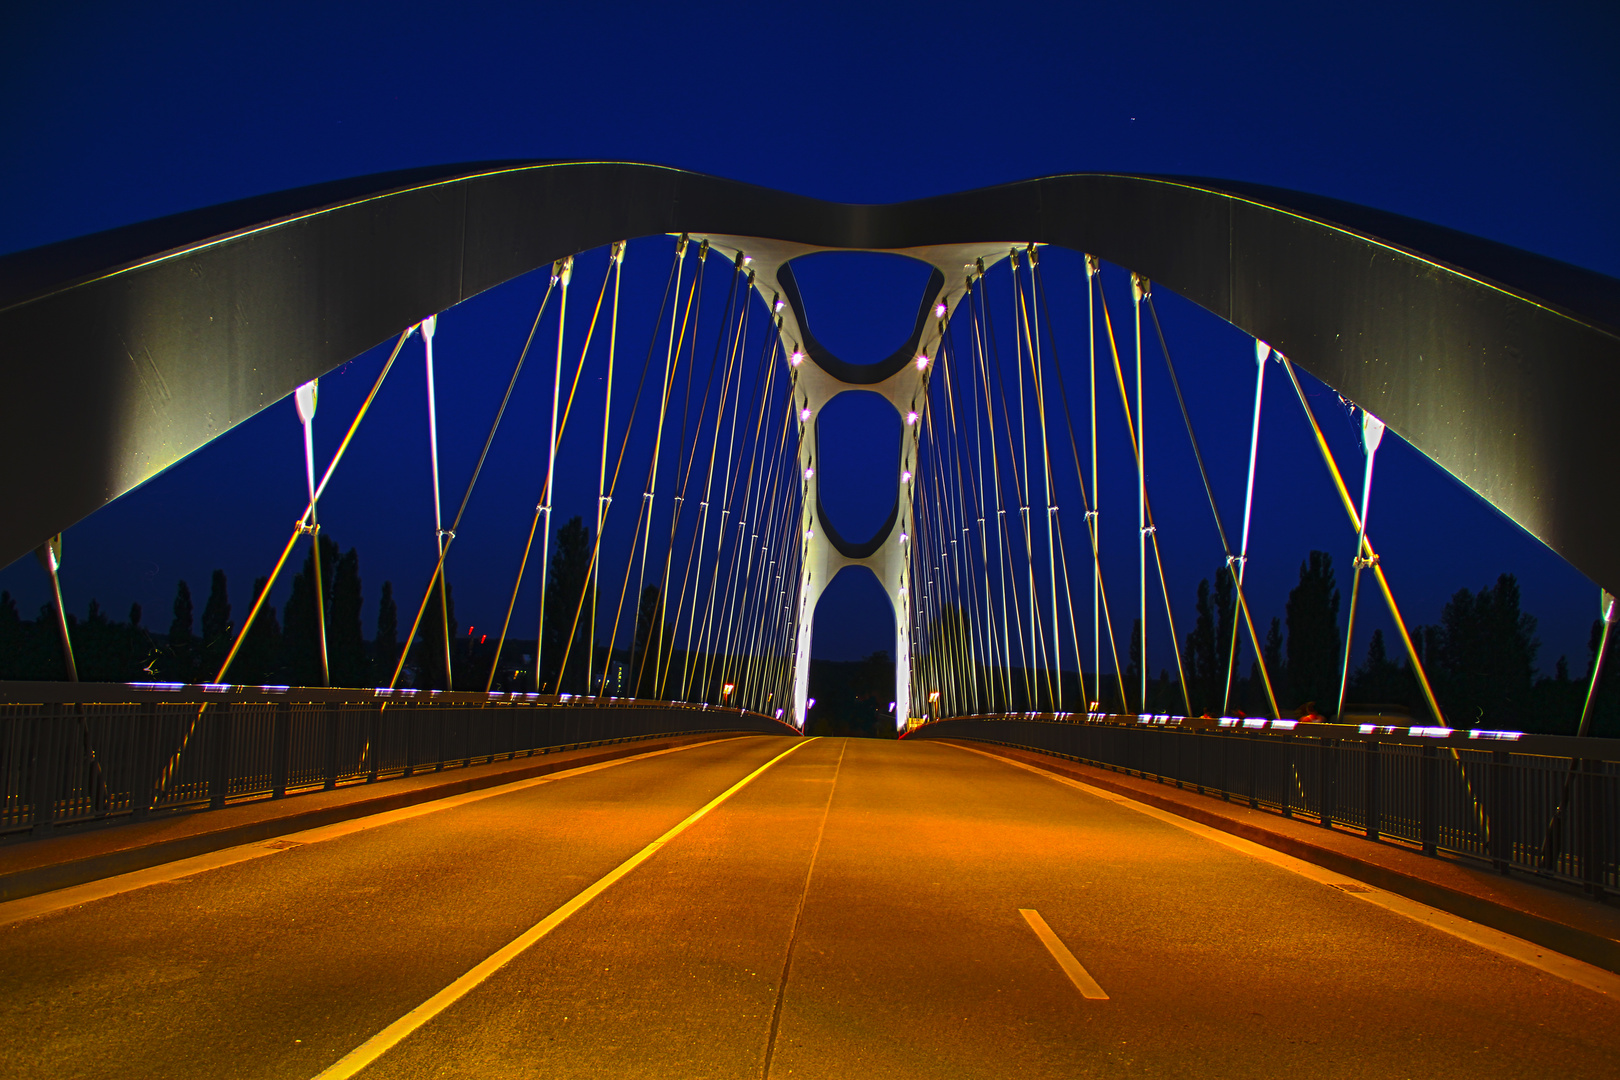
pixel 885 880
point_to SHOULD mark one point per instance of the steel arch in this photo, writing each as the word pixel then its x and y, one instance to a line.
pixel 126 350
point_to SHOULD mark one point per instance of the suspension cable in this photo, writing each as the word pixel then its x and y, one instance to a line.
pixel 462 509
pixel 1261 352
pixel 1209 490
pixel 309 509
pixel 1149 527
pixel 1365 548
pixel 1372 433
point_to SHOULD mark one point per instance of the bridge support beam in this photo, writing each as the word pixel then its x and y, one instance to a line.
pixel 817 376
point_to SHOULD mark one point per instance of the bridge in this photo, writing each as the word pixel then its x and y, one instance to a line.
pixel 620 852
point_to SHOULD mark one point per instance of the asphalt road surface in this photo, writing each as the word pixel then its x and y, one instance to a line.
pixel 853 911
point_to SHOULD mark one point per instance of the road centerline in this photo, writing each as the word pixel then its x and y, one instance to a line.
pixel 1072 967
pixel 798 917
pixel 373 1048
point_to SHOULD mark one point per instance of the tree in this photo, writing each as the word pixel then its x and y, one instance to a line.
pixel 216 627
pixel 1557 702
pixel 345 640
pixel 300 639
pixel 13 641
pixel 873 684
pixel 1313 635
pixel 1209 644
pixel 258 661
pixel 181 662
pixel 1252 692
pixel 569 601
pixel 386 647
pixel 427 653
pixel 142 653
pixel 1379 680
pixel 1481 657
pixel 647 619
pixel 1133 668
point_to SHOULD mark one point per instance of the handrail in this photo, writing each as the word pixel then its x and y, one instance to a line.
pixel 1584 747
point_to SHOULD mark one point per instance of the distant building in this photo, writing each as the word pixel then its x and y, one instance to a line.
pixel 615 681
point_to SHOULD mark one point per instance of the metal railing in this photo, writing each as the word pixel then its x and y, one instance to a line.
pixel 1549 804
pixel 73 753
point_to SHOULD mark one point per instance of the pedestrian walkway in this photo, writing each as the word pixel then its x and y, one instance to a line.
pixel 118 846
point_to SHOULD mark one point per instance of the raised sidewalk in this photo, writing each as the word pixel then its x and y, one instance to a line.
pixel 1535 909
pixel 92 852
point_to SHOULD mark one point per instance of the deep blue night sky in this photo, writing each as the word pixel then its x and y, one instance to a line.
pixel 1494 119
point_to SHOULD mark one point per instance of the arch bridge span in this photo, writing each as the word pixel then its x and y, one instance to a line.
pixel 129 349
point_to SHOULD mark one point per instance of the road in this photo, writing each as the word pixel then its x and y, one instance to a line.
pixel 852 911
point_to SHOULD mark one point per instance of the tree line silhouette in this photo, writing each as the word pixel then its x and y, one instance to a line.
pixel 1480 655
pixel 1480 658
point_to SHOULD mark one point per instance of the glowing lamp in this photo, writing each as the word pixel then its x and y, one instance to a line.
pixel 922 362
pixel 796 358
pixel 905 476
pixel 804 413
pixel 911 417
pixel 808 473
pixel 939 310
pixel 778 304
pixel 904 538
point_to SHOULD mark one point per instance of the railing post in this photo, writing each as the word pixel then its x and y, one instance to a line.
pixel 146 759
pixel 1288 771
pixel 1372 805
pixel 373 738
pixel 1198 761
pixel 1327 778
pixel 438 714
pixel 219 776
pixel 1428 828
pixel 333 715
pixel 1593 826
pixel 45 769
pixel 406 717
pixel 1501 811
pixel 280 749
pixel 1254 779
pixel 1224 741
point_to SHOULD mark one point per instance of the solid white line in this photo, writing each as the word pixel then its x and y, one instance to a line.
pixel 1077 974
pixel 1590 976
pixel 390 1036
pixel 31 907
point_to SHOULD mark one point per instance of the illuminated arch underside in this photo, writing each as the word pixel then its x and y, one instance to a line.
pixel 127 350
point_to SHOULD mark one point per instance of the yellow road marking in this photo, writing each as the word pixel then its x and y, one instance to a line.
pixel 1539 957
pixel 30 907
pixel 1077 973
pixel 390 1036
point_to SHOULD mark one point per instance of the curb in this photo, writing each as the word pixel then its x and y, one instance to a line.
pixel 49 878
pixel 1582 945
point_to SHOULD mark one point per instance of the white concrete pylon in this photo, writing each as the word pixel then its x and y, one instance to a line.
pixel 903 382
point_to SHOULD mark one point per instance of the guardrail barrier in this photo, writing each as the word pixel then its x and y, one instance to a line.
pixel 1549 804
pixel 76 753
